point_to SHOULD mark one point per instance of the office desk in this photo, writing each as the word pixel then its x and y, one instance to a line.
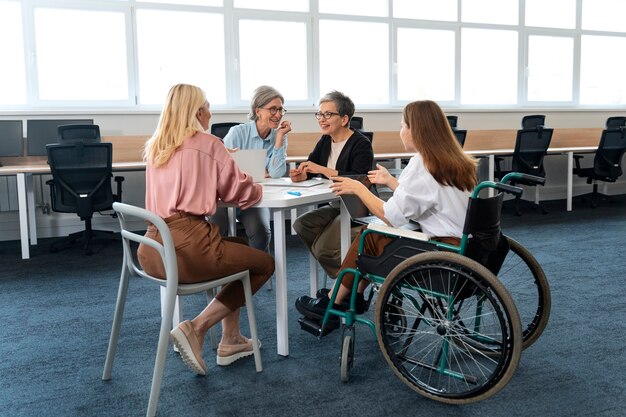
pixel 26 194
pixel 387 145
pixel 279 202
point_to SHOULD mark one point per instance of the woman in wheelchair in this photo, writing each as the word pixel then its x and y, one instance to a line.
pixel 432 190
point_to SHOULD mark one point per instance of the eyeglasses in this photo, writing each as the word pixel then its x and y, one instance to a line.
pixel 327 115
pixel 274 110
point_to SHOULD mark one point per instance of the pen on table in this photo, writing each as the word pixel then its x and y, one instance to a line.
pixel 296 193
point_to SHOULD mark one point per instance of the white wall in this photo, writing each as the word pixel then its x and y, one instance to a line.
pixel 116 123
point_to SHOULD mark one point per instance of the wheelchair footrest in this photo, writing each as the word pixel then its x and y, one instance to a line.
pixel 314 326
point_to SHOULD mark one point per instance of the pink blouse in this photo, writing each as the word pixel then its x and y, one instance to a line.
pixel 199 173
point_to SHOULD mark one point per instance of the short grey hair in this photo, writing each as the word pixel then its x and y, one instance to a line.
pixel 261 96
pixel 345 106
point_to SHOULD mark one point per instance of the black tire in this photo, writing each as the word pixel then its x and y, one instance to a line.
pixel 525 280
pixel 347 357
pixel 455 311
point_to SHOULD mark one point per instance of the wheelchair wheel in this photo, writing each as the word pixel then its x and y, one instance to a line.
pixel 455 312
pixel 525 280
pixel 347 357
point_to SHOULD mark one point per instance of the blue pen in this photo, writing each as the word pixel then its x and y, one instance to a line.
pixel 296 193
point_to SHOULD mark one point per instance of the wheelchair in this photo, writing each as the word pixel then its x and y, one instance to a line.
pixel 446 317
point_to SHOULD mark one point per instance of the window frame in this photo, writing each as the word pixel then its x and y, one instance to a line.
pixel 232 17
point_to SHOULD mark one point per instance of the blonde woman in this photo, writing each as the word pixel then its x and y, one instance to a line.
pixel 433 190
pixel 187 172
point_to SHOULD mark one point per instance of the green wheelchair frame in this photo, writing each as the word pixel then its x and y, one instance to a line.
pixel 483 363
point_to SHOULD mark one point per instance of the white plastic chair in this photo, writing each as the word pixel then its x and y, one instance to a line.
pixel 172 290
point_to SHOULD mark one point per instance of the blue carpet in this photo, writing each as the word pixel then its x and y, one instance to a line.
pixel 57 309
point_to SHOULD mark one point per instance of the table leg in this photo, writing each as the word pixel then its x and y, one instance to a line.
pixel 313 274
pixel 345 231
pixel 280 260
pixel 570 173
pixel 32 215
pixel 232 221
pixel 492 167
pixel 23 212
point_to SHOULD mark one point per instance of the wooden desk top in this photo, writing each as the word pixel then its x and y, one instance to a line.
pixel 128 150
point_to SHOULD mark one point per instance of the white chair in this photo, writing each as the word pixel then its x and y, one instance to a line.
pixel 172 290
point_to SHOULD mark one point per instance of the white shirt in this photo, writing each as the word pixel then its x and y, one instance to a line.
pixel 335 150
pixel 440 210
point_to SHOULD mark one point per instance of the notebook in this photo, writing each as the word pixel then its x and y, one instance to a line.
pixel 359 213
pixel 251 161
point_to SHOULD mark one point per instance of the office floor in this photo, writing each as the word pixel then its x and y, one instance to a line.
pixel 57 311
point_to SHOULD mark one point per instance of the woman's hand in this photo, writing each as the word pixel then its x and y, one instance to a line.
pixel 297 175
pixel 381 176
pixel 311 167
pixel 283 128
pixel 343 185
pixel 232 150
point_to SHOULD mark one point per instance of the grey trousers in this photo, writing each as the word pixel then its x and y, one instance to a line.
pixel 320 230
pixel 256 222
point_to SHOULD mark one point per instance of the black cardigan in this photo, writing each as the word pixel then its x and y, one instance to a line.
pixel 356 157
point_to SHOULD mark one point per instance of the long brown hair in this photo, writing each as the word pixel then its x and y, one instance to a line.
pixel 177 122
pixel 434 140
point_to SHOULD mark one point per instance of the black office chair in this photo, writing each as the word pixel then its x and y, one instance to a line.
pixel 356 122
pixel 615 121
pixel 78 133
pixel 453 121
pixel 532 121
pixel 221 129
pixel 81 184
pixel 606 163
pixel 530 147
pixel 460 135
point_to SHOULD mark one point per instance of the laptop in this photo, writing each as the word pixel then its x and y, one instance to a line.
pixel 251 161
pixel 359 213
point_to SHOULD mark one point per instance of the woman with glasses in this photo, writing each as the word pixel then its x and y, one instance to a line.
pixel 432 190
pixel 187 172
pixel 340 151
pixel 265 130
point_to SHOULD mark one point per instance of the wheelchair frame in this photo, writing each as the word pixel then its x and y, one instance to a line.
pixel 493 359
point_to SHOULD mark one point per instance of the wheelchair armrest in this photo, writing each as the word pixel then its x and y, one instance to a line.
pixel 393 231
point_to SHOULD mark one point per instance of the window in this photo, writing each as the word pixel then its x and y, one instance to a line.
pixel 285 5
pixel 283 67
pixel 602 78
pixel 488 67
pixel 425 9
pixel 358 68
pixel 12 70
pixel 504 12
pixel 354 7
pixel 604 15
pixel 186 2
pixel 81 55
pixel 191 51
pixel 126 54
pixel 550 68
pixel 551 13
pixel 425 64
